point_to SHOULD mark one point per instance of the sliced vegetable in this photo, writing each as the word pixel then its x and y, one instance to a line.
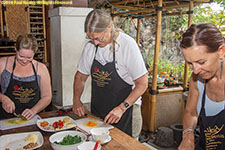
pixel 44 123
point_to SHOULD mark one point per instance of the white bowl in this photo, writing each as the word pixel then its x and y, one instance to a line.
pixel 59 137
pixel 100 134
pixel 88 146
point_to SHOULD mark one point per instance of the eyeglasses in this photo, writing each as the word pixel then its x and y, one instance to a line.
pixel 99 39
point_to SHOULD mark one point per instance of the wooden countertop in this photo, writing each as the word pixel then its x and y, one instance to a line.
pixel 120 140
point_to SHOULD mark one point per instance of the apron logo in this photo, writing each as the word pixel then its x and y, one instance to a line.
pixel 101 77
pixel 24 95
pixel 16 88
pixel 212 135
pixel 95 69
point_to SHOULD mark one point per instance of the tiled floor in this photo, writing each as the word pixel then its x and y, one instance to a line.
pixel 152 146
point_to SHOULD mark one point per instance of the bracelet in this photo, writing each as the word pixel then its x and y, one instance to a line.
pixel 188 130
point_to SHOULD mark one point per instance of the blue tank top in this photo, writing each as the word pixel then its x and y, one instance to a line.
pixel 5 78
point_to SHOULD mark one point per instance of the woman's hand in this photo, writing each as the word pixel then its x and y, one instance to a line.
pixel 114 115
pixel 29 113
pixel 8 105
pixel 78 108
pixel 187 142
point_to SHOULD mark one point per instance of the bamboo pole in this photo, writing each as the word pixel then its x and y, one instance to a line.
pixel 44 34
pixel 28 18
pixel 138 31
pixel 1 19
pixel 112 11
pixel 155 68
pixel 190 16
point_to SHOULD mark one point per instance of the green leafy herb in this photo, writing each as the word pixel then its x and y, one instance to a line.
pixel 69 140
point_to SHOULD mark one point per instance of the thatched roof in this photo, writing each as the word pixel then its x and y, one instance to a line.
pixel 142 8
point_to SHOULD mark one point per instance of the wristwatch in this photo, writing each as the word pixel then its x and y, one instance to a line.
pixel 126 105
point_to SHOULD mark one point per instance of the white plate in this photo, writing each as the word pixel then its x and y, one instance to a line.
pixel 14 141
pixel 106 141
pixel 52 120
pixel 4 125
pixel 83 121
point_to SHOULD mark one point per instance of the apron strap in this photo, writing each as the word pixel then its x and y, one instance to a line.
pixel 203 99
pixel 14 65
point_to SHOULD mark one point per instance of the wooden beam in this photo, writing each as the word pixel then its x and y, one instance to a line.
pixel 167 14
pixel 144 10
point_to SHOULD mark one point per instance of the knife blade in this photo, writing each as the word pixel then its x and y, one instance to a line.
pixel 19 116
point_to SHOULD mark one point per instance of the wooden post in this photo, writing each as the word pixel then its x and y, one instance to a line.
pixel 44 34
pixel 138 31
pixel 190 16
pixel 112 12
pixel 1 20
pixel 155 67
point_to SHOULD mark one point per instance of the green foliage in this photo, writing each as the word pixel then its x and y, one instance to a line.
pixel 207 14
pixel 221 2
pixel 176 69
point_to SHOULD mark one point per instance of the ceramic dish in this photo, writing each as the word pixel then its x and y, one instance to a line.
pixel 18 140
pixel 100 134
pixel 49 128
pixel 104 142
pixel 58 137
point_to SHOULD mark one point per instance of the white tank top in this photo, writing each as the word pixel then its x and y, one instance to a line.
pixel 211 108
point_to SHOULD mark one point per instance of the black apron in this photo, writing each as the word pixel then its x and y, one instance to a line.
pixel 23 94
pixel 108 92
pixel 212 129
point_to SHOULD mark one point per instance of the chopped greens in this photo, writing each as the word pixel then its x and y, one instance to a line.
pixel 69 140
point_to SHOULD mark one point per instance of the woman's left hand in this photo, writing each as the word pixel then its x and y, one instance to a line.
pixel 114 115
pixel 28 113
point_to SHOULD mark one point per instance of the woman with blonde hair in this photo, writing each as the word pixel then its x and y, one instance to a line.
pixel 25 82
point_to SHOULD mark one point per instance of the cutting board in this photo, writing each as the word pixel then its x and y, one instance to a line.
pixel 83 124
pixel 8 123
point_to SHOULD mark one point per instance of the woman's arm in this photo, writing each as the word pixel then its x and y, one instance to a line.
pixel 45 91
pixel 190 116
pixel 7 104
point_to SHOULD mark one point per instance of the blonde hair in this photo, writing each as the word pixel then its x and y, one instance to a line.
pixel 98 21
pixel 27 41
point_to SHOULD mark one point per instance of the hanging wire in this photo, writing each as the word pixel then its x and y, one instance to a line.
pixel 129 14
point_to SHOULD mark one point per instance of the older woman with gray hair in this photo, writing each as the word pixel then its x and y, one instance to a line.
pixel 118 72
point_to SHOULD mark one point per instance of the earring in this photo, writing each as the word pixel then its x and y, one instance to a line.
pixel 221 68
